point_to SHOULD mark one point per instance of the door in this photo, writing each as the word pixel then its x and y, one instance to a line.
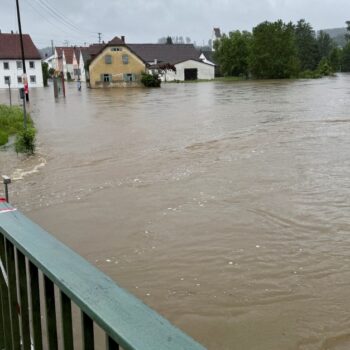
pixel 191 73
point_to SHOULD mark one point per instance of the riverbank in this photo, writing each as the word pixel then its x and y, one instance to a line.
pixel 12 124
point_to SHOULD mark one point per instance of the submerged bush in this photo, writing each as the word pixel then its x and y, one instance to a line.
pixel 150 80
pixel 25 141
pixel 4 138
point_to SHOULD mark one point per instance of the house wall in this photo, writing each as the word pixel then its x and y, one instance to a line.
pixel 205 71
pixel 14 73
pixel 82 68
pixel 116 69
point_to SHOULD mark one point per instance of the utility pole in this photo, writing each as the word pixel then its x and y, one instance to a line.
pixel 52 51
pixel 26 97
pixel 99 37
pixel 9 84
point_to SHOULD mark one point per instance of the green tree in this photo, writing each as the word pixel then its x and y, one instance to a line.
pixel 335 58
pixel 347 35
pixel 325 44
pixel 306 44
pixel 345 62
pixel 46 75
pixel 232 53
pixel 273 51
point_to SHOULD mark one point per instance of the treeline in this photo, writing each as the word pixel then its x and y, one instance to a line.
pixel 276 50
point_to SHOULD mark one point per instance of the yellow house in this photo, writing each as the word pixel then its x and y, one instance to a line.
pixel 116 66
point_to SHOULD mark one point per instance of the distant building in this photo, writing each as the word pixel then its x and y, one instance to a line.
pixel 116 65
pixel 185 58
pixel 121 64
pixel 215 36
pixel 11 69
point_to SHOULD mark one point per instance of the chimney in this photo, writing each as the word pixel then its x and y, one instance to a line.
pixel 123 38
pixel 11 31
pixel 155 62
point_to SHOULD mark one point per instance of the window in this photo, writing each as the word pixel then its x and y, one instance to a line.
pixel 33 79
pixel 6 65
pixel 129 77
pixel 7 80
pixel 19 64
pixel 108 59
pixel 19 80
pixel 106 78
pixel 116 49
pixel 31 64
pixel 125 59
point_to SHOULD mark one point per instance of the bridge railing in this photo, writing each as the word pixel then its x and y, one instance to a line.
pixel 25 251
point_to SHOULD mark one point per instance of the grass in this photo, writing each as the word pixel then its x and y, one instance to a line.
pixel 11 122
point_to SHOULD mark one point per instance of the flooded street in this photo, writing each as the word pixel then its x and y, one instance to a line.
pixel 223 206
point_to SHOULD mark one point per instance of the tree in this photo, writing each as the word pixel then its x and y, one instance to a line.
pixel 45 70
pixel 169 40
pixel 335 59
pixel 273 51
pixel 325 44
pixel 164 68
pixel 305 40
pixel 347 35
pixel 232 53
pixel 345 62
pixel 188 40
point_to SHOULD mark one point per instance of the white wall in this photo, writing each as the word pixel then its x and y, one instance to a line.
pixel 205 71
pixel 13 73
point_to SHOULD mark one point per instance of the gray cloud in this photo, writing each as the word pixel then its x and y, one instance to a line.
pixel 147 20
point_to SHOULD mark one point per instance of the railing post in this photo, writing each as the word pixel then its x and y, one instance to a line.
pixel 50 313
pixel 23 289
pixel 67 323
pixel 111 344
pixel 88 332
pixel 35 303
pixel 5 303
pixel 12 291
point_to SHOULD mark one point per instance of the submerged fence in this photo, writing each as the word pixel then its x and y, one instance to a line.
pixel 27 252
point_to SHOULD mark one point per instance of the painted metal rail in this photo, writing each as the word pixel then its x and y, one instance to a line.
pixel 29 255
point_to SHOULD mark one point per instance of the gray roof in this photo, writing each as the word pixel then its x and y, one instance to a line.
pixel 165 53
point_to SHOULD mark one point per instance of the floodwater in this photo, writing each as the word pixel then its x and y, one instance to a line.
pixel 224 206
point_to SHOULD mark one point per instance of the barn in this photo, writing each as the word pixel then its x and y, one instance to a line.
pixel 185 58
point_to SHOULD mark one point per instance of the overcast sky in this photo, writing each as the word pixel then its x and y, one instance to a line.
pixel 78 21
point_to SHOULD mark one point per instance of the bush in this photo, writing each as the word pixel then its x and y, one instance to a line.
pixel 150 80
pixel 309 74
pixel 25 141
pixel 324 67
pixel 4 138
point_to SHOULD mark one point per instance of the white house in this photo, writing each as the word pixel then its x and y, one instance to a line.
pixel 184 57
pixel 11 69
pixel 51 61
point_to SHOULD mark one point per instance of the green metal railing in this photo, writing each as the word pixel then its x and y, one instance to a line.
pixel 27 253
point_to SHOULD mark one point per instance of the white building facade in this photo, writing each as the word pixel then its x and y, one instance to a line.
pixel 12 71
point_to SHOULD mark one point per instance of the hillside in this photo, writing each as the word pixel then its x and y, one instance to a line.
pixel 337 34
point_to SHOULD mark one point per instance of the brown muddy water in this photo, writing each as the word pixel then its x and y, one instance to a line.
pixel 224 206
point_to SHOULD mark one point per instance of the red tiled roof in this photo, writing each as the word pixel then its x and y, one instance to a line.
pixel 10 47
pixel 68 53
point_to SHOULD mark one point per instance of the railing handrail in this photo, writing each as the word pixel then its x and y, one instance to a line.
pixel 126 319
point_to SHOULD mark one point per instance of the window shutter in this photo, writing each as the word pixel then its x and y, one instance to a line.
pixel 102 77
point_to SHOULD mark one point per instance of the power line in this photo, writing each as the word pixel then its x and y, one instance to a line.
pixel 59 16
